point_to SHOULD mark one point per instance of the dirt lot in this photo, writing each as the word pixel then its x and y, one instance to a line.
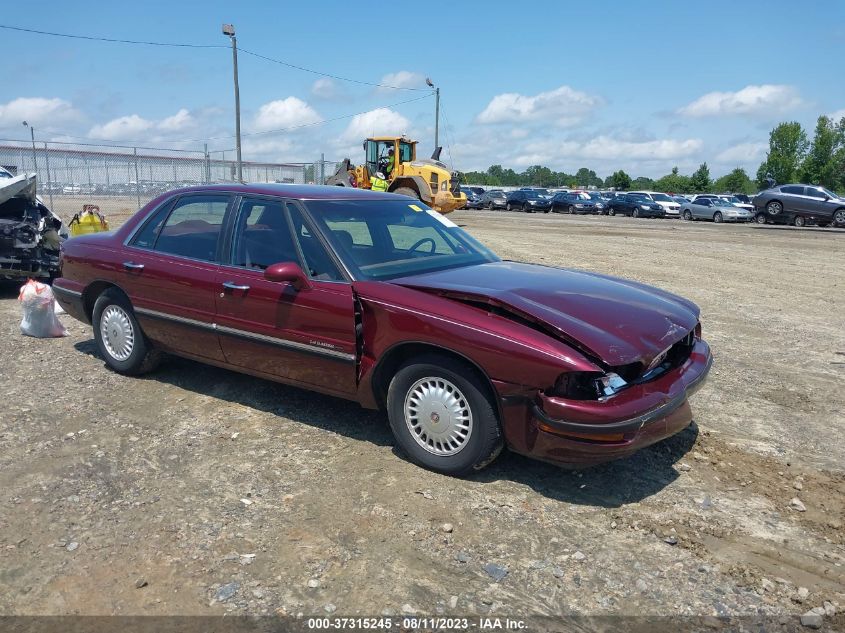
pixel 201 491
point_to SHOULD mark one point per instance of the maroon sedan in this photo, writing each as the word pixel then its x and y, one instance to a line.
pixel 376 298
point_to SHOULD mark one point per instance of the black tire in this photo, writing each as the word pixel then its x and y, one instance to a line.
pixel 760 218
pixel 687 215
pixel 635 213
pixel 611 211
pixel 526 208
pixel 717 217
pixel 143 357
pixel 508 206
pixel 839 217
pixel 407 191
pixel 484 442
pixel 799 221
pixel 774 207
pixel 571 210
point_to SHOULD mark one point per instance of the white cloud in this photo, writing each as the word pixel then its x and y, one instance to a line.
pixel 122 128
pixel 37 111
pixel 606 147
pixel 767 99
pixel 180 121
pixel 403 79
pixel 378 122
pixel 563 106
pixel 836 116
pixel 325 88
pixel 742 153
pixel 284 113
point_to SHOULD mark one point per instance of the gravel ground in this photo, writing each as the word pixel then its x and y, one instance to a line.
pixel 196 490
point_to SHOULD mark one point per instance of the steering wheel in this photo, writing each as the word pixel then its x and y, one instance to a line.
pixel 419 243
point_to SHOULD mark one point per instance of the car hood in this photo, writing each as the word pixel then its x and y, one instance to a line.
pixel 614 320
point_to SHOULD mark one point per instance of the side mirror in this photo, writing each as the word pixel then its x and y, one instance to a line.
pixel 287 272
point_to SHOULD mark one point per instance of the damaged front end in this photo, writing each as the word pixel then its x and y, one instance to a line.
pixel 30 234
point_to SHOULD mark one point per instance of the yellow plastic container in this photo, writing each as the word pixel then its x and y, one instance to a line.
pixel 89 221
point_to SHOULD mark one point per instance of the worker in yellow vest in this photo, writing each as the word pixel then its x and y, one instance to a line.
pixel 378 182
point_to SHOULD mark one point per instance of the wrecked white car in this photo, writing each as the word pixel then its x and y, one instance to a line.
pixel 30 234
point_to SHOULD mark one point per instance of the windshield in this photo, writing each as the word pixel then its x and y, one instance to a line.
pixel 661 197
pixel 385 239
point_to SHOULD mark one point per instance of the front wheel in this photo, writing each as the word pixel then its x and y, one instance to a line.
pixel 119 337
pixel 508 207
pixel 611 211
pixel 839 217
pixel 407 191
pixel 760 218
pixel 636 213
pixel 774 207
pixel 571 210
pixel 717 217
pixel 442 416
pixel 687 215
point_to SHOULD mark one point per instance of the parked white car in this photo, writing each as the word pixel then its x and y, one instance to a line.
pixel 725 197
pixel 670 205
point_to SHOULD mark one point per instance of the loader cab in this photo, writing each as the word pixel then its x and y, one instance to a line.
pixel 376 151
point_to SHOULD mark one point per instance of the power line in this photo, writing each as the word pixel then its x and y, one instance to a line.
pixel 317 72
pixel 112 40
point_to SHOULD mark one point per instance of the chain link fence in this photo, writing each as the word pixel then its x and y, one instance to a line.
pixel 120 179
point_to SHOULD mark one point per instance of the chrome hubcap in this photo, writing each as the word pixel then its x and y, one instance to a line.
pixel 438 416
pixel 117 332
pixel 774 208
pixel 839 218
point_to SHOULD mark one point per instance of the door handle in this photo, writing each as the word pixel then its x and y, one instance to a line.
pixel 133 267
pixel 231 285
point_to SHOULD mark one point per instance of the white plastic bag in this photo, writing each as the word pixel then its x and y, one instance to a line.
pixel 39 311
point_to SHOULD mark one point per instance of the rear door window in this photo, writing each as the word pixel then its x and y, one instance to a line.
pixel 795 191
pixel 194 226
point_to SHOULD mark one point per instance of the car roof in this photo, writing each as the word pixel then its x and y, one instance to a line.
pixel 301 192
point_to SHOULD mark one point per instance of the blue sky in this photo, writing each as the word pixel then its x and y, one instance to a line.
pixel 604 85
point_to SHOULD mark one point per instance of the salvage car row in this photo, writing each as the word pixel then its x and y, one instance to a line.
pixel 798 205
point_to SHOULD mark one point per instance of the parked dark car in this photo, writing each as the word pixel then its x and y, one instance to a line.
pixel 540 191
pixel 573 203
pixel 635 206
pixel 473 199
pixel 799 205
pixel 527 200
pixel 494 199
pixel 365 296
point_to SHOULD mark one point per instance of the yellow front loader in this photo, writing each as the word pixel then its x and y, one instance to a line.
pixel 425 179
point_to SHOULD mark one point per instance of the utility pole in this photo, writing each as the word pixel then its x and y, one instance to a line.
pixel 436 112
pixel 229 29
pixel 32 135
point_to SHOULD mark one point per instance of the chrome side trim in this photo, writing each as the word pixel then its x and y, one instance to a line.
pixel 262 338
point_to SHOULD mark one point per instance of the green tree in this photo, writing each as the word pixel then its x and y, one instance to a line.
pixel 787 148
pixel 674 183
pixel 620 181
pixel 642 183
pixel 822 165
pixel 700 179
pixel 587 178
pixel 735 182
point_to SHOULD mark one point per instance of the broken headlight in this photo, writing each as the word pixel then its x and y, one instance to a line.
pixel 578 385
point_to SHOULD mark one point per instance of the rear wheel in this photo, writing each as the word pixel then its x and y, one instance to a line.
pixel 442 416
pixel 687 215
pixel 118 335
pixel 799 221
pixel 717 217
pixel 407 191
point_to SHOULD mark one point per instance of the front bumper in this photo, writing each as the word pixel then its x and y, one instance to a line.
pixel 587 432
pixel 446 202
